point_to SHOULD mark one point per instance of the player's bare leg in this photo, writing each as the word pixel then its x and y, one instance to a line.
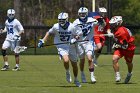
pixel 116 67
pixel 82 63
pixel 75 72
pixel 16 68
pixel 98 50
pixel 5 59
pixel 91 68
pixel 129 74
pixel 66 65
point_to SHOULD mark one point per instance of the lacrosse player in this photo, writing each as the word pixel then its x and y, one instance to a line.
pixel 103 27
pixel 123 47
pixel 14 30
pixel 86 48
pixel 64 32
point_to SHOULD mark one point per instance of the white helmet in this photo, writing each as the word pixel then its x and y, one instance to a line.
pixel 116 19
pixel 63 18
pixel 83 13
pixel 11 13
pixel 102 10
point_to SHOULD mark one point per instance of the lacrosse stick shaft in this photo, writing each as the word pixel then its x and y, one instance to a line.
pixel 101 35
pixel 65 43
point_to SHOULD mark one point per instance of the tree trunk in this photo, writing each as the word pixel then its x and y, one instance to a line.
pixel 17 4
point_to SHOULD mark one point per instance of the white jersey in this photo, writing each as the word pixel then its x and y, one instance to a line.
pixel 87 28
pixel 64 35
pixel 12 28
pixel 86 48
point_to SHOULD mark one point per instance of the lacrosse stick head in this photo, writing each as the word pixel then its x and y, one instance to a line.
pixel 20 49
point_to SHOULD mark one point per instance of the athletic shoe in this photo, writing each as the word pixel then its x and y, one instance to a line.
pixel 95 63
pixel 68 77
pixel 118 78
pixel 128 77
pixel 77 83
pixel 16 69
pixel 93 80
pixel 5 67
pixel 83 78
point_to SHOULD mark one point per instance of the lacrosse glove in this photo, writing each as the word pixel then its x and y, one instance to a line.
pixel 72 41
pixel 115 46
pixel 110 35
pixel 40 43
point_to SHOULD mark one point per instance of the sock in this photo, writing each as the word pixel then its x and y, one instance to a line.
pixel 75 79
pixel 67 71
pixel 129 74
pixel 117 73
pixel 17 65
pixel 82 72
pixel 92 73
pixel 6 63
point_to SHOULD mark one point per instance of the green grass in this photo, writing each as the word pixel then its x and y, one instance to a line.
pixel 46 74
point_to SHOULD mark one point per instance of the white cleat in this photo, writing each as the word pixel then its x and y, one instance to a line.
pixel 93 80
pixel 68 77
pixel 118 78
pixel 83 78
pixel 128 77
pixel 95 63
pixel 77 83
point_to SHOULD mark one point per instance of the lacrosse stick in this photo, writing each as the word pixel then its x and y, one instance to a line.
pixel 101 35
pixel 65 43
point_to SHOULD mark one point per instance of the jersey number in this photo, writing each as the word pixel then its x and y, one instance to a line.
pixel 64 37
pixel 10 30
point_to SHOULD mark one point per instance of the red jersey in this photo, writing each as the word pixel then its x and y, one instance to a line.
pixel 122 34
pixel 101 30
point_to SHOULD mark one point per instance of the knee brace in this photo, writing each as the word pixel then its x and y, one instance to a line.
pixel 3 52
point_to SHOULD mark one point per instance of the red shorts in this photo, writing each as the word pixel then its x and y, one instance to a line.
pixel 128 54
pixel 99 39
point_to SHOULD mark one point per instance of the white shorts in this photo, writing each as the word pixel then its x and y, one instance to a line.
pixel 86 48
pixel 63 50
pixel 10 44
pixel 73 53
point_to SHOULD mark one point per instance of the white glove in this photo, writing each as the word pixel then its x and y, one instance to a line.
pixel 73 41
pixel 16 37
pixel 110 35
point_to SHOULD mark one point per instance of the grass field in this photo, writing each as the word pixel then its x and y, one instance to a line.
pixel 46 74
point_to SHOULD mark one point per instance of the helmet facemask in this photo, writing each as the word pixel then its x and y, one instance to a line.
pixel 62 22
